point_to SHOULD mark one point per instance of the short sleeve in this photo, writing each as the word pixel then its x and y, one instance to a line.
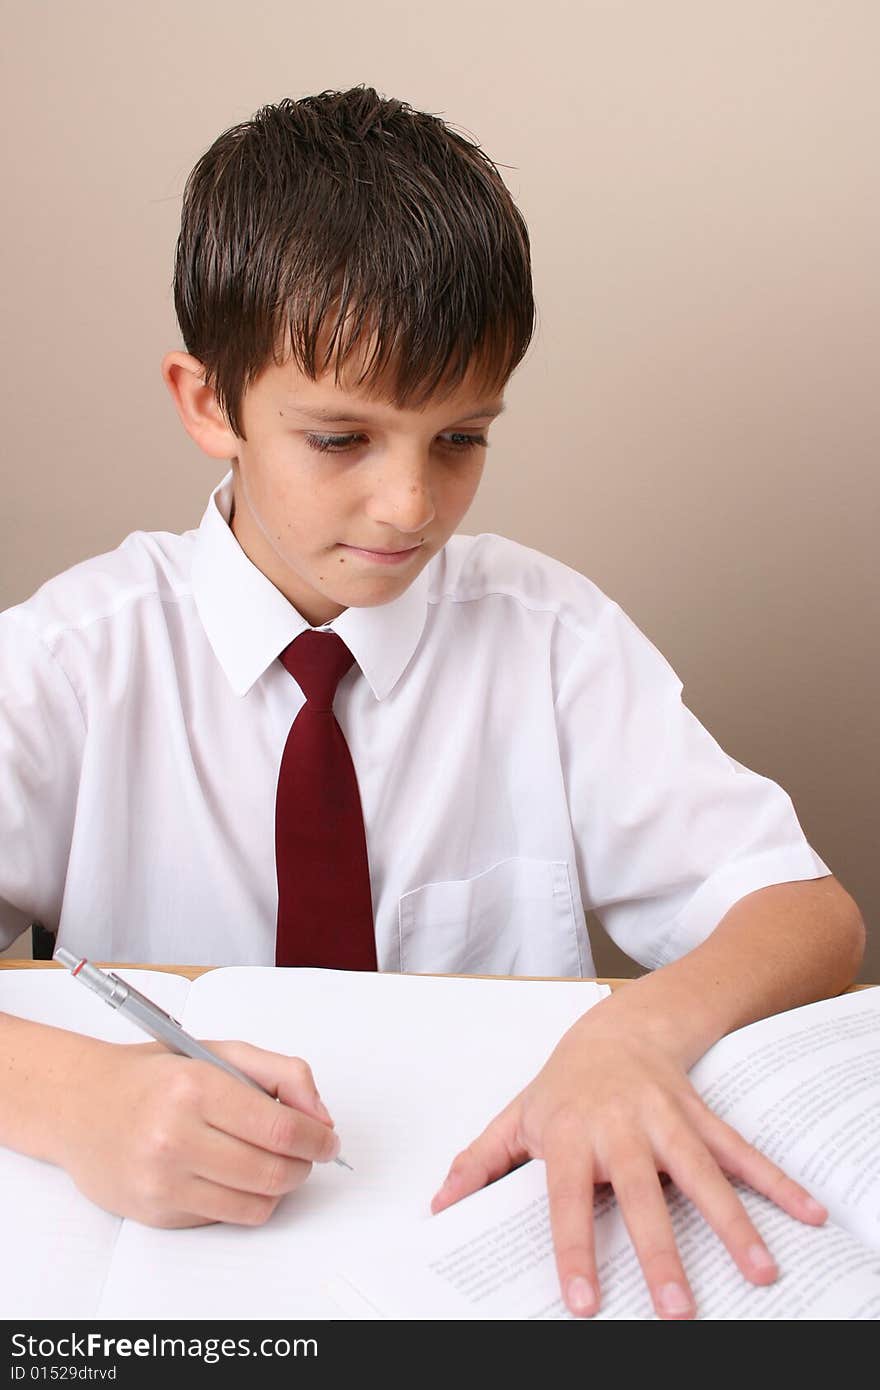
pixel 669 830
pixel 41 744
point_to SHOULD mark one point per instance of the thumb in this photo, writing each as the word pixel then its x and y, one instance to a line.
pixel 492 1154
pixel 289 1079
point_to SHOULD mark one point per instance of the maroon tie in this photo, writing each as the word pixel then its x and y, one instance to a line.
pixel 325 910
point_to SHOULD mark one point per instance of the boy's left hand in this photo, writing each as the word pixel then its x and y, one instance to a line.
pixel 611 1106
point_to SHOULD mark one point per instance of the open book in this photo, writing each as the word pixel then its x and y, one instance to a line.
pixel 804 1087
pixel 412 1068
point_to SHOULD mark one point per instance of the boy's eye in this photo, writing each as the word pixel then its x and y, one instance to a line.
pixel 337 443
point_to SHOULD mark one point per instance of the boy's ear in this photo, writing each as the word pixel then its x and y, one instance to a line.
pixel 197 405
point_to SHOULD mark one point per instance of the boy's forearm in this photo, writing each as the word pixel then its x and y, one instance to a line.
pixel 776 949
pixel 42 1068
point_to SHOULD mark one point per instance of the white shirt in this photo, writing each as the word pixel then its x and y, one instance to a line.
pixel 521 749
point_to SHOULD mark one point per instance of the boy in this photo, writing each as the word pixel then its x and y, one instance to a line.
pixel 353 286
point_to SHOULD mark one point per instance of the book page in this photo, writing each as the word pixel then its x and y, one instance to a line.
pixel 411 1068
pixel 804 1088
pixel 491 1257
pixel 57 1244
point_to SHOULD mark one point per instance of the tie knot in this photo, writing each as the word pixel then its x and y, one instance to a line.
pixel 317 661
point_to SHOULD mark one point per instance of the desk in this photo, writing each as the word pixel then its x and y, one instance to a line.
pixel 192 972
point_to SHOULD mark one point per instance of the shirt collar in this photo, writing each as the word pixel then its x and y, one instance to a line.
pixel 249 622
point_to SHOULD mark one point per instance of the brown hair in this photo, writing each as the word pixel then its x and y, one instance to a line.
pixel 345 215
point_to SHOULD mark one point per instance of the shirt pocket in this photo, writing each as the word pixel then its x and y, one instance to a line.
pixel 517 918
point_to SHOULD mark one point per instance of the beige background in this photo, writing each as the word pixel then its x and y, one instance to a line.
pixel 696 426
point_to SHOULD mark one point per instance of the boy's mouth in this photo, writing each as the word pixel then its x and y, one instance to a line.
pixel 382 557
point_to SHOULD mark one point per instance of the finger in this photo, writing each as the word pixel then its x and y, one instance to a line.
pixel 492 1154
pixel 243 1113
pixel 570 1192
pixel 288 1078
pixel 229 1162
pixel 203 1203
pixel 643 1207
pixel 182 1154
pixel 742 1160
pixel 279 1129
pixel 696 1172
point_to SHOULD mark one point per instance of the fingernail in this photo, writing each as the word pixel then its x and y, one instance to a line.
pixel 814 1208
pixel 760 1259
pixel 674 1299
pixel 581 1297
pixel 337 1145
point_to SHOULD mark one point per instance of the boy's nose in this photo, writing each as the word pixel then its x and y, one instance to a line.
pixel 401 496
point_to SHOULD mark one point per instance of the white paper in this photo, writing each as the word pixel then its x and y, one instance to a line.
pixel 411 1068
pixel 804 1088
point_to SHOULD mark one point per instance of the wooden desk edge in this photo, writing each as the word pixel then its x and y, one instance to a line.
pixel 192 972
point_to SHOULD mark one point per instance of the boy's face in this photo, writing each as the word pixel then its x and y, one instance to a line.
pixel 341 500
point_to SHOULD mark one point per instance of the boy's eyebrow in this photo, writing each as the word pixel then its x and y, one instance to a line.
pixel 490 410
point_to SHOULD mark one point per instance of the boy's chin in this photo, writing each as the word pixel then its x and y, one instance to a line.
pixel 371 594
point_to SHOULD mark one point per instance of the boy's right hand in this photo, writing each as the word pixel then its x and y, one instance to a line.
pixel 171 1142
